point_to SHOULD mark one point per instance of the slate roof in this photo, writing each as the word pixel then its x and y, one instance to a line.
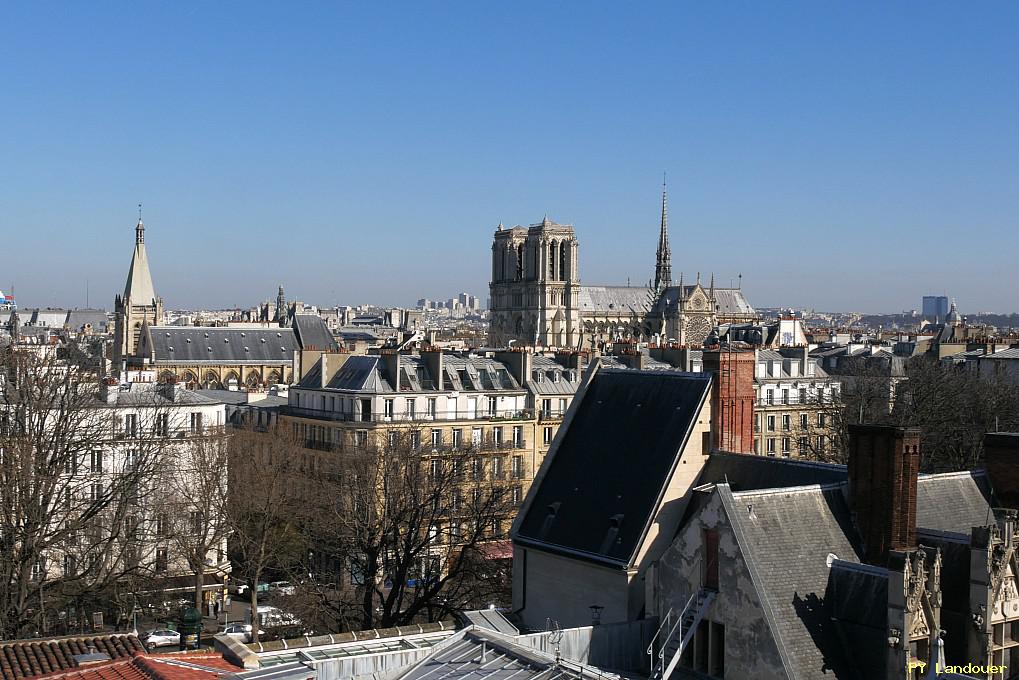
pixel 601 485
pixel 956 501
pixel 313 333
pixel 785 537
pixel 748 472
pixel 547 386
pixel 730 301
pixel 139 289
pixel 612 300
pixel 31 658
pixel 1010 353
pixel 211 345
pixel 463 374
pixel 78 318
pixel 152 395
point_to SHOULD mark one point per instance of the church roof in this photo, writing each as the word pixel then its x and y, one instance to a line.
pixel 730 301
pixel 139 289
pixel 613 299
pixel 210 345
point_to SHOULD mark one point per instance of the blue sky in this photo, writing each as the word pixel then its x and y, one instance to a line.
pixel 838 155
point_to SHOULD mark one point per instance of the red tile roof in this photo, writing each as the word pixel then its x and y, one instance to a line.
pixel 187 666
pixel 30 658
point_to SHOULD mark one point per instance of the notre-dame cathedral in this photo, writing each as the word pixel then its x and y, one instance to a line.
pixel 537 298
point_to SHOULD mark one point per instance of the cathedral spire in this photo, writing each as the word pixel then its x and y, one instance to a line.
pixel 663 263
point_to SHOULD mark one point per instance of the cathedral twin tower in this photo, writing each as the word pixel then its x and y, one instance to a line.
pixel 537 299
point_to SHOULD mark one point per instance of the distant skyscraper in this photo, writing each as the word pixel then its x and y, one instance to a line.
pixel 935 307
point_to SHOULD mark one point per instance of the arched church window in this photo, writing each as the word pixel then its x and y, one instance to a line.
pixel 520 261
pixel 563 251
pixel 552 261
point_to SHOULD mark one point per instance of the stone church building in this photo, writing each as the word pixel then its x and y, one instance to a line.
pixel 537 298
pixel 251 356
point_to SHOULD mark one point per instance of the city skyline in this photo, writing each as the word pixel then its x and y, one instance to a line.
pixel 841 159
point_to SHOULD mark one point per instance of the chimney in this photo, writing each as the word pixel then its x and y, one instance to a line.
pixel 568 360
pixel 883 465
pixel 324 370
pixel 1001 460
pixel 517 362
pixel 432 357
pixel 108 388
pixel 732 398
pixel 391 367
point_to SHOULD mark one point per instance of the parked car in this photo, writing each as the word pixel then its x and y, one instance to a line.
pixel 282 587
pixel 238 631
pixel 161 637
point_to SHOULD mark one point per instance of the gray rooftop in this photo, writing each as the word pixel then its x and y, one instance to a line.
pixel 477 654
pixel 600 485
pixel 954 501
pixel 785 537
pixel 313 333
pixel 612 300
pixel 215 345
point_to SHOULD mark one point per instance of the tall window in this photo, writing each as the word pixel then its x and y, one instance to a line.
pixel 196 423
pixel 388 409
pixel 518 467
pixel 163 425
pixel 436 438
pixel 131 425
pixel 410 409
pixel 161 559
pixel 546 436
pixel 96 461
pixel 431 407
pixel 518 436
pixel 457 437
pixel 493 405
pixel 787 422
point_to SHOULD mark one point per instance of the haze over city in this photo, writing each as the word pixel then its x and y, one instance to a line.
pixel 839 157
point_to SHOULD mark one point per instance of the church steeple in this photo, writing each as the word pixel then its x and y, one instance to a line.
pixel 663 264
pixel 139 289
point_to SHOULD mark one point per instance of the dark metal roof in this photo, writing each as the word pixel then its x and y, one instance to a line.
pixel 211 345
pixel 601 487
pixel 748 472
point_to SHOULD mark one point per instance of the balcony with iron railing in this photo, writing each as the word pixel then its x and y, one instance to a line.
pixel 502 415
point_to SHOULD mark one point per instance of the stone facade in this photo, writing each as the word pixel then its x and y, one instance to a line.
pixel 537 299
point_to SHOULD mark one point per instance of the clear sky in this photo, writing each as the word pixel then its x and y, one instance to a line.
pixel 839 155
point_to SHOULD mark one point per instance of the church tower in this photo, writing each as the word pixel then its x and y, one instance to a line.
pixel 281 308
pixel 663 261
pixel 138 305
pixel 535 286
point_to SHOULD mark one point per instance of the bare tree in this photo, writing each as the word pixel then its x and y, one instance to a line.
pixel 72 498
pixel 406 533
pixel 193 503
pixel 265 507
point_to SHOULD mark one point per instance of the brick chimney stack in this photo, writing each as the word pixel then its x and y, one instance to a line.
pixel 1001 460
pixel 732 398
pixel 884 462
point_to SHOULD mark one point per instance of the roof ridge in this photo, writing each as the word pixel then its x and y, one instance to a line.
pixel 830 486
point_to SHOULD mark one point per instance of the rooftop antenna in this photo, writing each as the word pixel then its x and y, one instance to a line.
pixel 555 637
pixel 139 211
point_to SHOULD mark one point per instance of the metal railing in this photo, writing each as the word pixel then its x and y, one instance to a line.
pixel 505 415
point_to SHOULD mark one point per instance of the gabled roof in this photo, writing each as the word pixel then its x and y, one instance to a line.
pixel 313 333
pixel 216 345
pixel 955 502
pixel 749 472
pixel 785 537
pixel 31 658
pixel 613 300
pixel 601 485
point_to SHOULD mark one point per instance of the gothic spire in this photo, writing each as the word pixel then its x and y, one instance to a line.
pixel 139 289
pixel 663 263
